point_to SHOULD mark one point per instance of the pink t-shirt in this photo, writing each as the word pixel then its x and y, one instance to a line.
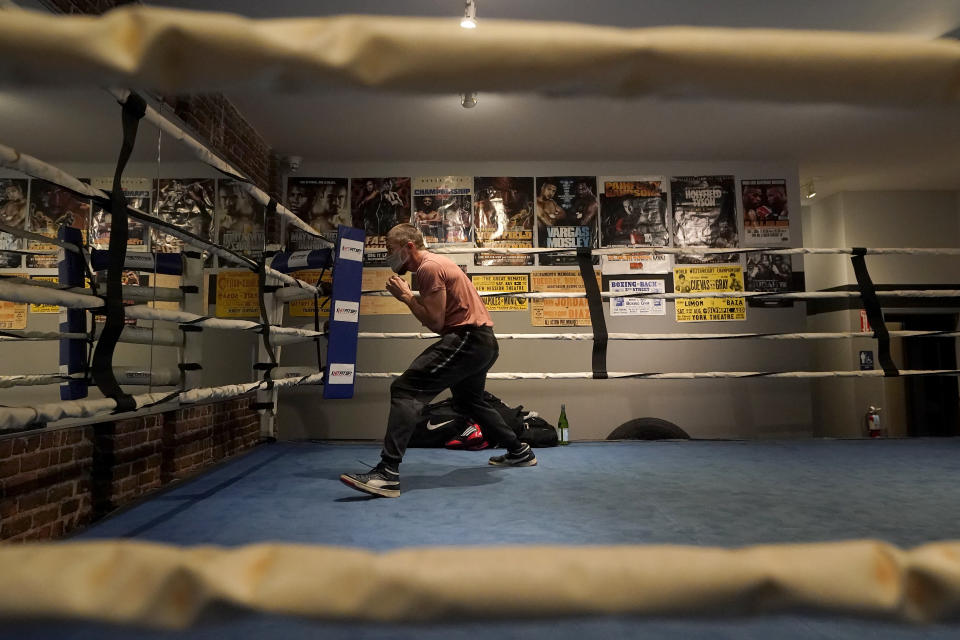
pixel 464 306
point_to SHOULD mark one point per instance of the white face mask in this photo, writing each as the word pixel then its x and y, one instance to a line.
pixel 396 261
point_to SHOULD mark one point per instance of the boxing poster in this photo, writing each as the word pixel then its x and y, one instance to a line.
pixel 503 218
pixel 13 315
pixel 638 306
pixel 238 294
pixel 304 308
pixel 13 213
pixel 378 205
pixel 139 193
pixel 766 220
pixel 512 283
pixel 187 203
pixel 704 215
pixel 324 204
pixel 442 209
pixel 567 216
pixel 633 212
pixel 559 312
pixel 719 278
pixel 241 222
pixel 50 207
pixel 769 273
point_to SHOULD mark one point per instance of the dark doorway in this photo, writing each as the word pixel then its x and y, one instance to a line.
pixel 933 402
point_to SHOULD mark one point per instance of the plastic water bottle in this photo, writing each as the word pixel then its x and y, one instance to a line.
pixel 563 427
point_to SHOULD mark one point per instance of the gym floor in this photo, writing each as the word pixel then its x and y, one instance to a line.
pixel 713 493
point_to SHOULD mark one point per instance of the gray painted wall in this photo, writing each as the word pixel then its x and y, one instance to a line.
pixel 872 219
pixel 705 409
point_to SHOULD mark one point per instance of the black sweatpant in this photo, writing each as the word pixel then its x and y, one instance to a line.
pixel 459 361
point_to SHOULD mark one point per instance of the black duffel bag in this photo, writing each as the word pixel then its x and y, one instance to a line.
pixel 440 425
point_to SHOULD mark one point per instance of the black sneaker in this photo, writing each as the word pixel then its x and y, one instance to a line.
pixel 379 482
pixel 523 457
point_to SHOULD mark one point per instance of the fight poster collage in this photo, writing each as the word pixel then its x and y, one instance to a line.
pixel 484 212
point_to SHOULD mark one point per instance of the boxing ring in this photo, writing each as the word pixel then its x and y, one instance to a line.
pixel 161 584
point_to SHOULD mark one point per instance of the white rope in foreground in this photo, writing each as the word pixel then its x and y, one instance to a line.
pixel 823 335
pixel 13 159
pixel 578 375
pixel 20 417
pixel 144 583
pixel 138 46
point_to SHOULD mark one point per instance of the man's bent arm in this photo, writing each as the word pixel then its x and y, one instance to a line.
pixel 429 309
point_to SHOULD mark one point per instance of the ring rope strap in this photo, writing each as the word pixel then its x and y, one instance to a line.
pixel 102 364
pixel 597 320
pixel 871 304
pixel 265 328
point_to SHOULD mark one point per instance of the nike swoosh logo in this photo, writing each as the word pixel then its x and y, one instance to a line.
pixel 431 426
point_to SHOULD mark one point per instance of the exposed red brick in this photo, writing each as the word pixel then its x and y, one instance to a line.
pixel 45 516
pixel 68 507
pixel 9 468
pixel 26 444
pixel 15 526
pixel 35 460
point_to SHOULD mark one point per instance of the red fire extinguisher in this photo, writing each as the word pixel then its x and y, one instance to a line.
pixel 873 422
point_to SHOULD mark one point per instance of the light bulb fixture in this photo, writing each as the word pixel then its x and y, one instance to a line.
pixel 808 190
pixel 469 16
pixel 468 100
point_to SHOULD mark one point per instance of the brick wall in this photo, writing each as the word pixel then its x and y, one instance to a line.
pixel 52 483
pixel 217 123
pixel 211 118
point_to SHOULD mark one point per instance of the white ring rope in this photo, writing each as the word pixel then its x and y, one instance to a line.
pixel 20 336
pixel 13 159
pixel 130 335
pixel 798 295
pixel 605 251
pixel 31 380
pixel 20 417
pixel 30 294
pixel 29 235
pixel 207 156
pixel 576 337
pixel 690 375
pixel 124 375
pixel 130 292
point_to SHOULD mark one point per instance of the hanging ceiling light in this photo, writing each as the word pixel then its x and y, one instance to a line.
pixel 469 15
pixel 468 100
pixel 808 190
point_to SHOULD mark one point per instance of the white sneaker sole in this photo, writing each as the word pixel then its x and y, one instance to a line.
pixel 528 463
pixel 374 491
